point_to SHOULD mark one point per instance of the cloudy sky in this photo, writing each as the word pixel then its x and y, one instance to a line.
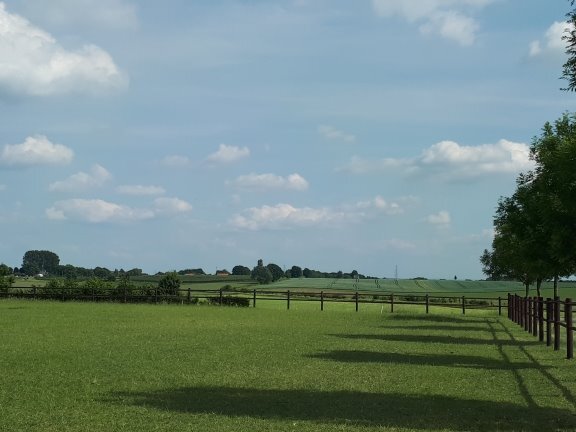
pixel 330 134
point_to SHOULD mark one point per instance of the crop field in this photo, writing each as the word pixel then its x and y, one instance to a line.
pixel 76 366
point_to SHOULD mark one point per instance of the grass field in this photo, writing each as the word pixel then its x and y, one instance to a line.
pixel 113 367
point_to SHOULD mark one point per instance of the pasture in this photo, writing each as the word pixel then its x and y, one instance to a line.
pixel 122 367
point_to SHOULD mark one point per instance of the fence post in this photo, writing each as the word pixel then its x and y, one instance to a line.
pixel 34 291
pixel 220 299
pixel 356 299
pixel 321 300
pixel 254 298
pixel 463 305
pixel 288 299
pixel 531 316
pixel 540 319
pixel 499 306
pixel 549 312
pixel 392 303
pixel 556 323
pixel 427 303
pixel 526 313
pixel 569 331
pixel 189 296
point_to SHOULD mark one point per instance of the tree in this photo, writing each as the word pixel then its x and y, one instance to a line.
pixel 569 68
pixel 262 275
pixel 276 271
pixel 5 270
pixel 240 270
pixel 296 272
pixel 169 284
pixel 36 261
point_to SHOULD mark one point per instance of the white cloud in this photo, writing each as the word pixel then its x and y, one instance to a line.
pixel 100 211
pixel 171 206
pixel 140 190
pixel 285 216
pixel 108 13
pixel 96 211
pixel 36 150
pixel 449 161
pixel 33 63
pixel 270 182
pixel 228 154
pixel 448 18
pixel 334 134
pixel 441 219
pixel 80 181
pixel 552 41
pixel 381 205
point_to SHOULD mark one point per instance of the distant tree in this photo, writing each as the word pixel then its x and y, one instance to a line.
pixel 134 272
pixel 36 261
pixel 276 271
pixel 307 273
pixel 169 284
pixel 262 275
pixel 296 272
pixel 5 270
pixel 194 271
pixel 102 272
pixel 240 270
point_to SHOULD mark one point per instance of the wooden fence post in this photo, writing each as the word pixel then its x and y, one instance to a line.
pixel 427 303
pixel 356 299
pixel 540 319
pixel 463 305
pixel 499 306
pixel 569 331
pixel 321 300
pixel 254 298
pixel 392 303
pixel 526 314
pixel 556 323
pixel 549 313
pixel 189 295
pixel 220 298
pixel 288 299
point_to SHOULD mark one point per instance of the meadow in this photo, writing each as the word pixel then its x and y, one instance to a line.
pixel 76 366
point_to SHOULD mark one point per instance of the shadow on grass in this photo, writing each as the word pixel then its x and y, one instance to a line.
pixel 348 407
pixel 454 340
pixel 449 328
pixel 445 359
pixel 441 319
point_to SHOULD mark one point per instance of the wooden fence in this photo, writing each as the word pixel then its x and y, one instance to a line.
pixel 245 297
pixel 543 319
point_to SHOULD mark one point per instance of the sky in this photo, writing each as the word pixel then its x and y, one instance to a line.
pixel 368 135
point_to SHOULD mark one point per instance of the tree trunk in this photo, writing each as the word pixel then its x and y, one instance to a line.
pixel 555 286
pixel 538 285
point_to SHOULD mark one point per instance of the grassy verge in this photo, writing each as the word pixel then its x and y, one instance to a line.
pixel 113 367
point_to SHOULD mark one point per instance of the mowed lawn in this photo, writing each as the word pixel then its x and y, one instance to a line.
pixel 114 367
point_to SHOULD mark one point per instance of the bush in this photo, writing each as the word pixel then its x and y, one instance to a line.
pixel 169 284
pixel 231 301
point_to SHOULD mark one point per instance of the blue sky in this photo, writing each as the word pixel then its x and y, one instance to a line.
pixel 329 134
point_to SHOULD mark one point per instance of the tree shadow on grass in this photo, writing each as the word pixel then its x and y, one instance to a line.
pixel 430 339
pixel 447 359
pixel 441 319
pixel 435 327
pixel 352 408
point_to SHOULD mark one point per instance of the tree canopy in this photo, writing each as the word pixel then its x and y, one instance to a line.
pixel 569 68
pixel 38 261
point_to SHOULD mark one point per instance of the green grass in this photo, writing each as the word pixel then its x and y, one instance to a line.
pixel 95 367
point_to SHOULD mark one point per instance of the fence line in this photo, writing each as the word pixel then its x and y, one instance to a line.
pixel 187 295
pixel 543 319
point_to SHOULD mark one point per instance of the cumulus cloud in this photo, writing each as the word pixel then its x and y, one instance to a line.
pixel 261 182
pixel 334 134
pixel 381 205
pixel 228 154
pixel 140 190
pixel 96 211
pixel 35 150
pixel 100 211
pixel 451 19
pixel 33 63
pixel 285 216
pixel 450 161
pixel 441 219
pixel 80 181
pixel 552 42
pixel 171 206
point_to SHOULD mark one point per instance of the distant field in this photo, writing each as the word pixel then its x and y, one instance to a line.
pixel 114 367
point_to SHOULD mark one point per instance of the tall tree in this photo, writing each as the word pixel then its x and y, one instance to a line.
pixel 569 68
pixel 36 261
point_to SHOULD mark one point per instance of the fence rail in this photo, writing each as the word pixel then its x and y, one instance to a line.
pixel 544 318
pixel 245 297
